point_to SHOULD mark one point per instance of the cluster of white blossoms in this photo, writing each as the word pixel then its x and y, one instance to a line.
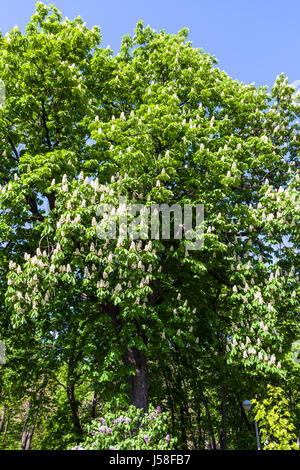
pixel 104 261
pixel 244 347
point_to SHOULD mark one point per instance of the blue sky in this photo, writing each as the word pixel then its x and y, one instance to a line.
pixel 254 40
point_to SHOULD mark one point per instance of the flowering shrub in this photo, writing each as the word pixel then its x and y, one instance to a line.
pixel 129 430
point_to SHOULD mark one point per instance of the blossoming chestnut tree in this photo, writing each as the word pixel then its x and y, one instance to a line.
pixel 157 123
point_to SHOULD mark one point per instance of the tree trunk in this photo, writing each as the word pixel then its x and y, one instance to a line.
pixel 74 409
pixel 200 436
pixel 172 415
pixel 94 404
pixel 138 383
pixel 6 428
pixel 2 420
pixel 30 433
pixel 211 429
pixel 25 427
pixel 31 417
pixel 183 427
pixel 223 429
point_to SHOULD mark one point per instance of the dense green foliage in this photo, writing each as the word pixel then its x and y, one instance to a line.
pixel 274 419
pixel 86 321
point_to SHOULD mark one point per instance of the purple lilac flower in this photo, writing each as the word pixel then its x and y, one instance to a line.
pixel 102 420
pixel 102 429
pixel 168 438
pixel 120 420
pixel 146 438
pixel 151 416
pixel 112 448
pixel 158 409
pixel 127 420
pixel 108 430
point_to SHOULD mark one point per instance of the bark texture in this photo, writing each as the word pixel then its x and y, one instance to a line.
pixel 138 383
pixel 31 417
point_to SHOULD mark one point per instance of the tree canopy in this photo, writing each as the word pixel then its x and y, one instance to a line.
pixel 90 322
